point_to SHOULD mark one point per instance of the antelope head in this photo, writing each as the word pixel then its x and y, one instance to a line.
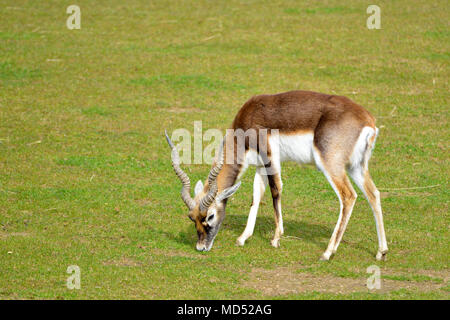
pixel 206 209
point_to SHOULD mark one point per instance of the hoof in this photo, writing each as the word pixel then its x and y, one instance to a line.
pixel 381 256
pixel 240 242
pixel 325 257
pixel 275 243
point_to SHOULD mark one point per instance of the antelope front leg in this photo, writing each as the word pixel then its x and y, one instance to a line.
pixel 259 186
pixel 276 187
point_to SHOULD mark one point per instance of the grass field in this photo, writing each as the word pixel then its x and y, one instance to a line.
pixel 85 174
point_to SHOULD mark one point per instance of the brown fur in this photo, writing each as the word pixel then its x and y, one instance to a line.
pixel 298 110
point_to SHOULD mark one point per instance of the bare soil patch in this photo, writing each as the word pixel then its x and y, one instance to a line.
pixel 284 280
pixel 444 275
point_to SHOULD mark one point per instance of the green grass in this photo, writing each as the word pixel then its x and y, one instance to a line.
pixel 85 174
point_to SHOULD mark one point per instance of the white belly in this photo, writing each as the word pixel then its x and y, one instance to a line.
pixel 297 148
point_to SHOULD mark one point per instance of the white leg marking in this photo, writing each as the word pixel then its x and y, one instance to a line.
pixel 259 186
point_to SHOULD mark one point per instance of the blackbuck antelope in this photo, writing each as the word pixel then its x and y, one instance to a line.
pixel 332 132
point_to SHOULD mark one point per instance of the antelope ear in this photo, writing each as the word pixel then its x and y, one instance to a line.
pixel 228 192
pixel 198 187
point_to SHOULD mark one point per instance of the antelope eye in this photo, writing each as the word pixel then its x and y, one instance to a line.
pixel 210 217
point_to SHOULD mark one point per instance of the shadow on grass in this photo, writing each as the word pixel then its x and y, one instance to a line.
pixel 185 238
pixel 316 234
pixel 313 233
pixel 302 230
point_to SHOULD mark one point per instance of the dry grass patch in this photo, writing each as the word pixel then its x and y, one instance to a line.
pixel 123 262
pixel 176 253
pixel 4 235
pixel 181 109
